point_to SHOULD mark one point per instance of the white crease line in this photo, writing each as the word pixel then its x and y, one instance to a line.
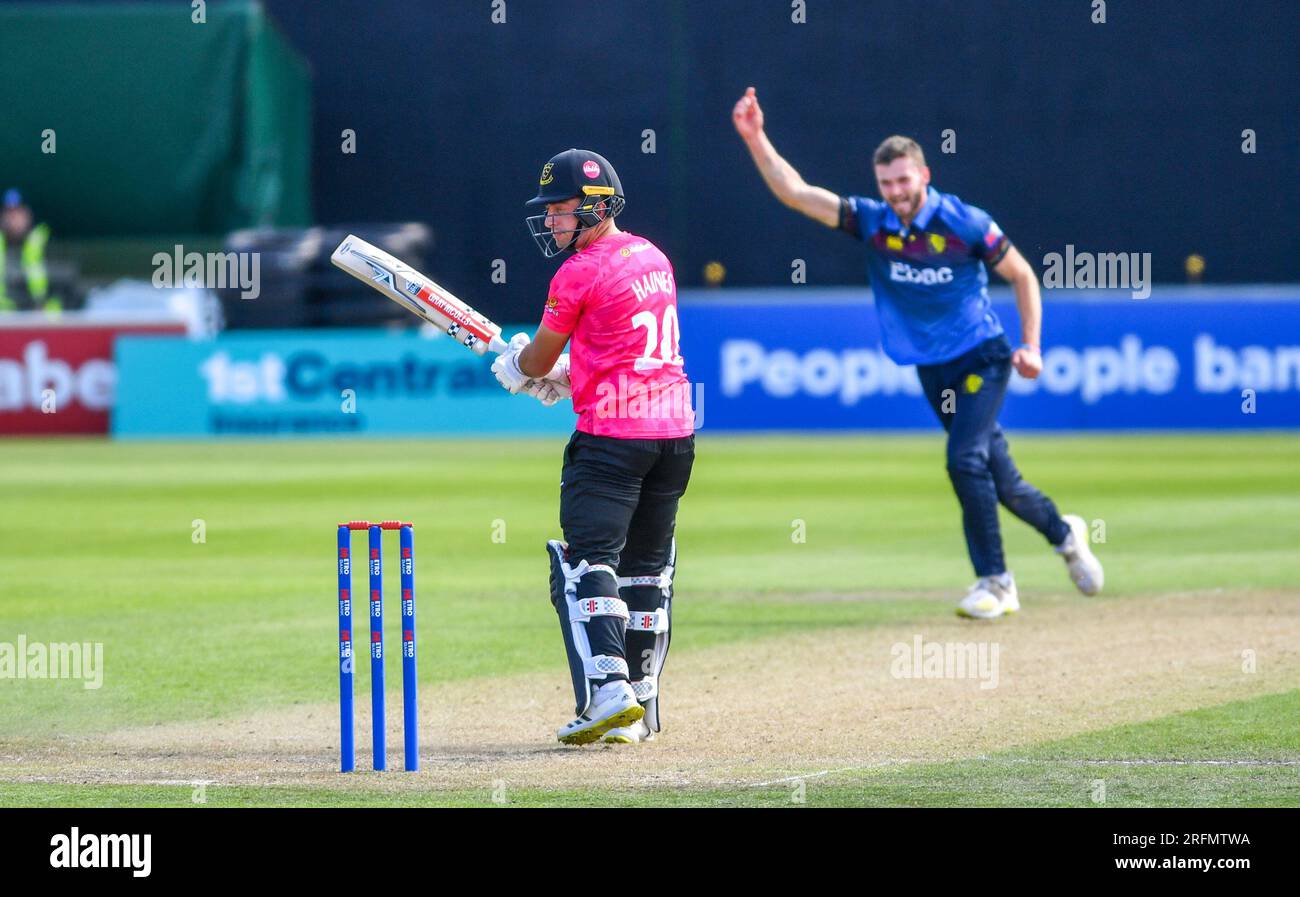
pixel 826 772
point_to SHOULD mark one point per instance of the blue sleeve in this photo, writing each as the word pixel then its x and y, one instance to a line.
pixel 858 215
pixel 978 229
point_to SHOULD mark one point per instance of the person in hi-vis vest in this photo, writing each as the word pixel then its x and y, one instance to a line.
pixel 28 243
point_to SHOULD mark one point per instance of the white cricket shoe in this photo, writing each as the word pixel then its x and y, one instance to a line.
pixel 633 734
pixel 990 597
pixel 1085 570
pixel 613 706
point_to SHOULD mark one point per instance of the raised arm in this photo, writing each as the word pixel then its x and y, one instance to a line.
pixel 817 203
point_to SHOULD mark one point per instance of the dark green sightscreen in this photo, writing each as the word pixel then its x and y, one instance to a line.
pixel 161 125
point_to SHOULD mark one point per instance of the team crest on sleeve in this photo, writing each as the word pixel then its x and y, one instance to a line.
pixel 551 303
pixel 994 234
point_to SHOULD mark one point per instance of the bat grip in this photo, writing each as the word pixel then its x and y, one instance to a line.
pixel 497 344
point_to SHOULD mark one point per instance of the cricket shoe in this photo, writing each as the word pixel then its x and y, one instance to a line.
pixel 633 734
pixel 1085 569
pixel 613 706
pixel 989 598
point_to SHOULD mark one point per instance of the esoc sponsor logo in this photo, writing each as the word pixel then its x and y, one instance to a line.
pixel 902 272
pixel 307 376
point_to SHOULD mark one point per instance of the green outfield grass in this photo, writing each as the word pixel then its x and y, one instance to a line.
pixel 98 545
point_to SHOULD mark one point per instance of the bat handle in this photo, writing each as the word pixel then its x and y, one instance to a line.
pixel 497 344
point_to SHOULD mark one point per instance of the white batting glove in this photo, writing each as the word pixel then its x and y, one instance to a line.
pixel 554 386
pixel 506 367
pixel 546 393
pixel 559 375
pixel 558 380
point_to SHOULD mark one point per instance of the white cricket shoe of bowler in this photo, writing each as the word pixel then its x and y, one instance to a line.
pixel 990 597
pixel 1085 570
pixel 613 706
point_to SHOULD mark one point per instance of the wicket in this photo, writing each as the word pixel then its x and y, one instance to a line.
pixel 410 714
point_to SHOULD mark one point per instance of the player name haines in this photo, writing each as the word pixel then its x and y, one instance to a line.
pixel 654 282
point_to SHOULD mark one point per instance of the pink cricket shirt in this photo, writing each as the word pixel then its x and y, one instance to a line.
pixel 617 301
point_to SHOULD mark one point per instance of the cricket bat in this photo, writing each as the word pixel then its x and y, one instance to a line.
pixel 417 293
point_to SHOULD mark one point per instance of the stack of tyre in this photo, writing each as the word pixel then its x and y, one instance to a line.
pixel 300 288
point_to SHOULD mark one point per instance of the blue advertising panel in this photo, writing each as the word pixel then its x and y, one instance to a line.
pixel 1209 359
pixel 309 383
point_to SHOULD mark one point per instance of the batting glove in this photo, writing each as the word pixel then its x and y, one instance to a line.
pixel 546 393
pixel 506 367
pixel 558 379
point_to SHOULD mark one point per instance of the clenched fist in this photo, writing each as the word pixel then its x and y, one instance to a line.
pixel 1027 361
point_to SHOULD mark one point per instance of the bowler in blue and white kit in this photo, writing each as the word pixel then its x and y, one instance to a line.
pixel 928 255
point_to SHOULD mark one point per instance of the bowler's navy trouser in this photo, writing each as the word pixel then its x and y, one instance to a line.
pixel 979 461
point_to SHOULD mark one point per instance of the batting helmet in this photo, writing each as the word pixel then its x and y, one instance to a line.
pixel 575 173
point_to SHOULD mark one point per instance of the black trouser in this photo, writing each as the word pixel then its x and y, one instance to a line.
pixel 979 460
pixel 618 506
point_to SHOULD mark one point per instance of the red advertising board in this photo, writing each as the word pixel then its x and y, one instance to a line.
pixel 57 375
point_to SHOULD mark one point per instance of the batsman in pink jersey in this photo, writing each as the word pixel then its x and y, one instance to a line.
pixel 614 302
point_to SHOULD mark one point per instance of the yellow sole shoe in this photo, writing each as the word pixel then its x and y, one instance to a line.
pixel 629 716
